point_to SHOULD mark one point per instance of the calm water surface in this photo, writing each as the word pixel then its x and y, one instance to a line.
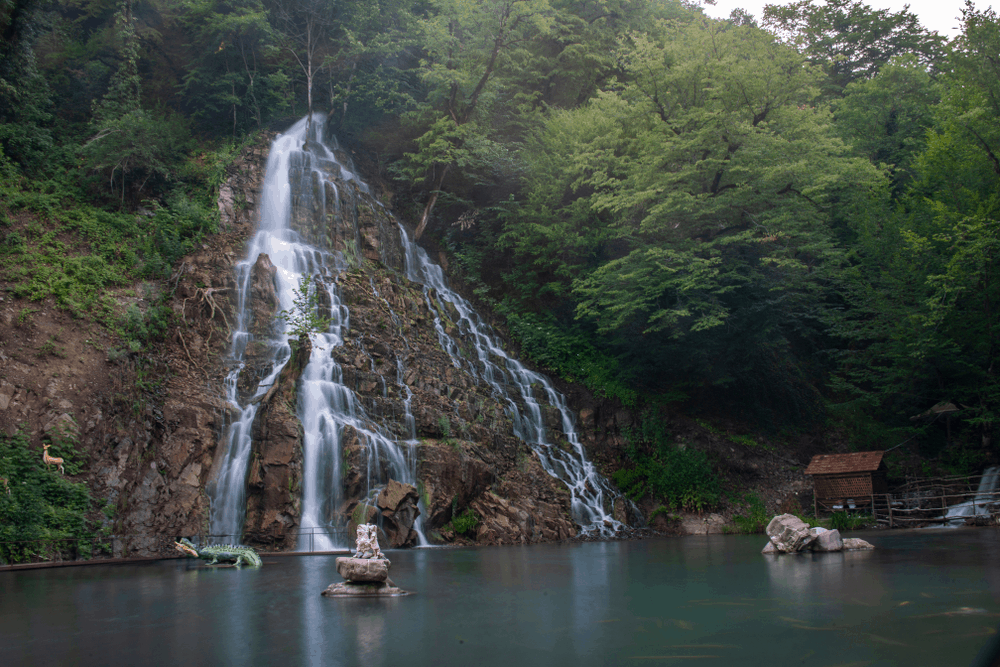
pixel 923 598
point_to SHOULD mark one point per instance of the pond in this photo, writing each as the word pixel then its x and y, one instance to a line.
pixel 923 598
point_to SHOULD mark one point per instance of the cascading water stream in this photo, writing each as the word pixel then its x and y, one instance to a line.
pixel 591 493
pixel 982 504
pixel 326 407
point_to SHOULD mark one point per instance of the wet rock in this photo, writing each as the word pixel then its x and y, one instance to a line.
pixel 273 502
pixel 856 544
pixel 398 503
pixel 363 569
pixel 263 296
pixel 826 540
pixel 360 589
pixel 789 533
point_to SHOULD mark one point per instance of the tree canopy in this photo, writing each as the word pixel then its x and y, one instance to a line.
pixel 789 222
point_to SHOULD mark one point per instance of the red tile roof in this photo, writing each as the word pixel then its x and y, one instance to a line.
pixel 834 464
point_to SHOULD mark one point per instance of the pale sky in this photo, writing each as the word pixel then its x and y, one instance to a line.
pixel 939 15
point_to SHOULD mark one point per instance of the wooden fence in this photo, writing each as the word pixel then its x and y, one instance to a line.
pixel 926 502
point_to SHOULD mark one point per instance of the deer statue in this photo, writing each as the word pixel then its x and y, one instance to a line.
pixel 52 460
pixel 4 481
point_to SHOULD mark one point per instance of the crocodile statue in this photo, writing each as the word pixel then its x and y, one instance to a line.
pixel 220 553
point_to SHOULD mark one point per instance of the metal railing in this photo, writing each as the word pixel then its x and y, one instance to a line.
pixel 146 546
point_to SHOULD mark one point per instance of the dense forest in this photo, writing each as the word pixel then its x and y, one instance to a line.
pixel 786 221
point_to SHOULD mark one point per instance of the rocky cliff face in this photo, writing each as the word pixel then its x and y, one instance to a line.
pixel 151 422
pixel 467 455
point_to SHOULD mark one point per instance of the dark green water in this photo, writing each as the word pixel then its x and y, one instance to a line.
pixel 924 598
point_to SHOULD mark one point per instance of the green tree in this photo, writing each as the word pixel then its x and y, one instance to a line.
pixel 25 104
pixel 129 143
pixel 688 210
pixel 850 39
pixel 886 118
pixel 923 319
pixel 232 72
pixel 465 45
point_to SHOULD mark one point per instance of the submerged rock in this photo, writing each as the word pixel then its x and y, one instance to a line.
pixel 856 544
pixel 362 589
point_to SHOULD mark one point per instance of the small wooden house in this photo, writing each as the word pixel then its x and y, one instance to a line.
pixel 839 479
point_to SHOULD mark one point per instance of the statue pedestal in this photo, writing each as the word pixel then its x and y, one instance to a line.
pixel 363 569
pixel 351 589
pixel 366 577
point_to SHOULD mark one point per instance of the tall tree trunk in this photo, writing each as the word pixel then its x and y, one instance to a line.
pixel 425 218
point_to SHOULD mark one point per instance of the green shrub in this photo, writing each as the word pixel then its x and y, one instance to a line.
pixel 843 521
pixel 43 508
pixel 679 477
pixel 754 518
pixel 465 523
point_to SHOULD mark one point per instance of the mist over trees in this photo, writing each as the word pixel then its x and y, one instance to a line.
pixel 787 220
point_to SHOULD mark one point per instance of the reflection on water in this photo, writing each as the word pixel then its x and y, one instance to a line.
pixel 923 598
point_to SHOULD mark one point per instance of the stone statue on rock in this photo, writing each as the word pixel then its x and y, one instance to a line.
pixel 366 573
pixel 366 543
pixel 788 534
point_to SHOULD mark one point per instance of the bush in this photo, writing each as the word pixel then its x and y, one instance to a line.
pixel 843 521
pixel 465 523
pixel 678 477
pixel 754 518
pixel 43 508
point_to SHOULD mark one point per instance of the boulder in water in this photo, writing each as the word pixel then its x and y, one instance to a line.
pixel 856 544
pixel 789 533
pixel 769 548
pixel 827 540
pixel 366 577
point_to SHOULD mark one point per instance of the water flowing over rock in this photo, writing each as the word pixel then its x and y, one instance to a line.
pixel 405 412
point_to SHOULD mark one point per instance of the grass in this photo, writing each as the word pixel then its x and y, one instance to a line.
pixel 754 517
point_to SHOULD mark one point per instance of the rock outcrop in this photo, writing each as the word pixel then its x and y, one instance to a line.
pixel 362 570
pixel 398 505
pixel 274 480
pixel 152 423
pixel 789 534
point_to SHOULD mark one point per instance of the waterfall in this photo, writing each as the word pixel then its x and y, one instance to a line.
pixel 304 193
pixel 591 494
pixel 981 503
pixel 325 405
